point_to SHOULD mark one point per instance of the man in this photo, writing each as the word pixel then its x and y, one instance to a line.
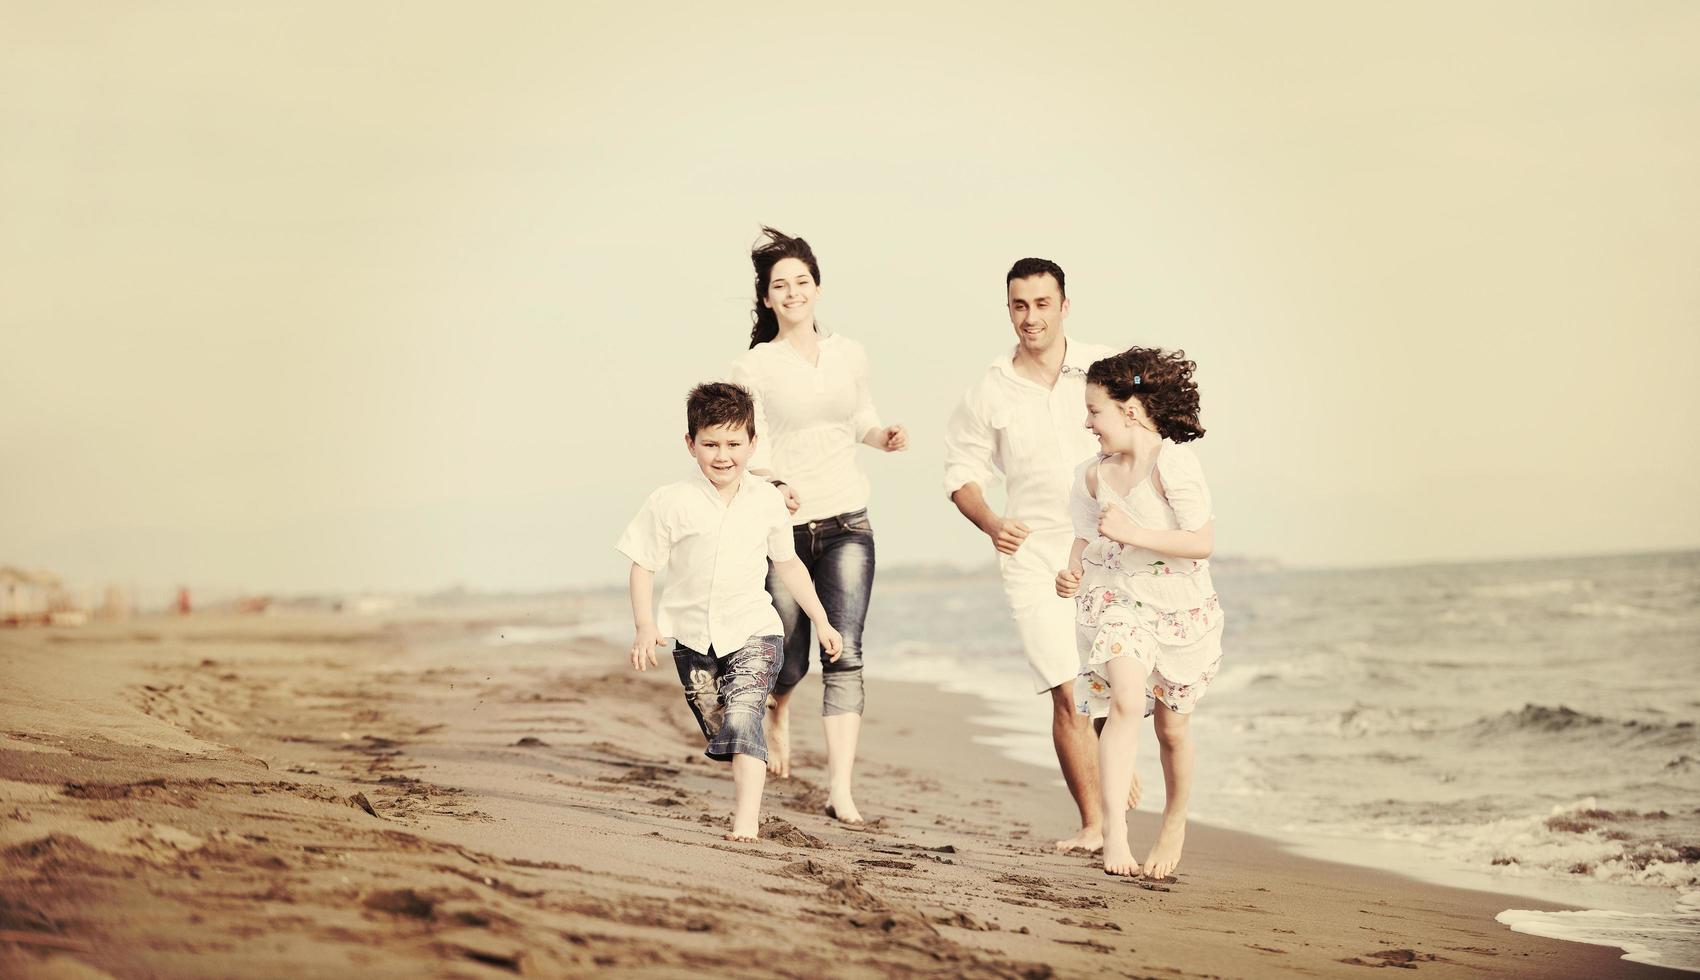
pixel 1024 418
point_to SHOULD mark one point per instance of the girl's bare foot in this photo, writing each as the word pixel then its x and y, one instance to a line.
pixel 778 738
pixel 1165 855
pixel 1090 839
pixel 843 809
pixel 1118 857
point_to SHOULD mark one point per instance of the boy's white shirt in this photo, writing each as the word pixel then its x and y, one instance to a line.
pixel 716 593
pixel 1033 436
pixel 810 420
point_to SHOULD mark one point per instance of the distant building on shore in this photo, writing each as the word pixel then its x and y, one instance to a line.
pixel 36 598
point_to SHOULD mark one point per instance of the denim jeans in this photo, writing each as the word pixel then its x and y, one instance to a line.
pixel 839 554
pixel 728 694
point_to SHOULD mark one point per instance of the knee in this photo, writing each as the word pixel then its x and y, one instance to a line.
pixel 1127 706
pixel 845 693
pixel 1173 731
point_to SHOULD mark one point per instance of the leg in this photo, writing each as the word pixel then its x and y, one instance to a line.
pixel 1071 733
pixel 1174 740
pixel 1118 747
pixel 796 628
pixel 844 579
pixel 749 774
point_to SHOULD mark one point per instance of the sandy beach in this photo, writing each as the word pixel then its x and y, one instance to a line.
pixel 314 795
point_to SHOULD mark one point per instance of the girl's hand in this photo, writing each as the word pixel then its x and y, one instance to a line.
pixel 1068 581
pixel 896 439
pixel 643 647
pixel 830 641
pixel 1115 524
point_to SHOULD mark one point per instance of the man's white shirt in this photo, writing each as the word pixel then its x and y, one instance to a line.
pixel 716 554
pixel 1034 436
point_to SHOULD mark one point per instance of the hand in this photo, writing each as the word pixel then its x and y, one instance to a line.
pixel 790 495
pixel 643 647
pixel 1068 581
pixel 895 439
pixel 830 641
pixel 1115 524
pixel 1008 536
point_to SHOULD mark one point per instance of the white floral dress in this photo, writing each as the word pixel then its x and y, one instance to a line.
pixel 1133 602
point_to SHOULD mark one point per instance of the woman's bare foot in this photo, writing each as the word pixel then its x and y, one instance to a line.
pixel 843 809
pixel 743 838
pixel 1089 839
pixel 1166 853
pixel 1118 857
pixel 778 738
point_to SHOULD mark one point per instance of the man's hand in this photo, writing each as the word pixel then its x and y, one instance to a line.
pixel 830 641
pixel 1115 524
pixel 790 495
pixel 1068 581
pixel 643 647
pixel 1008 536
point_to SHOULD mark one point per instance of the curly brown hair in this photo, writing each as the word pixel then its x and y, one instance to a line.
pixel 1161 380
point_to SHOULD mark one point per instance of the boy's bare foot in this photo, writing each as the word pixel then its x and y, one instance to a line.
pixel 778 738
pixel 1089 839
pixel 843 809
pixel 1166 853
pixel 743 838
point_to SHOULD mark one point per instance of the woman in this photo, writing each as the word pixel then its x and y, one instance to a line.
pixel 812 409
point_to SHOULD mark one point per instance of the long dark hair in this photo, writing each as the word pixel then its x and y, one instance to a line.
pixel 770 248
pixel 1161 380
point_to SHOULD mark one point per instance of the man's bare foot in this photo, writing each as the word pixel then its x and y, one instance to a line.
pixel 843 809
pixel 778 738
pixel 1090 839
pixel 1118 857
pixel 1166 853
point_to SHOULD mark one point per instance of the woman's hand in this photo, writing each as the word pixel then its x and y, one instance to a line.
pixel 790 495
pixel 892 440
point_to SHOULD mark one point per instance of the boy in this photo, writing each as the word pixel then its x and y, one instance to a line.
pixel 717 531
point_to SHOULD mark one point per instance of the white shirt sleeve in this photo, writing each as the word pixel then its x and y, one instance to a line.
pixel 1082 509
pixel 744 374
pixel 1184 486
pixel 866 416
pixel 781 545
pixel 969 447
pixel 648 539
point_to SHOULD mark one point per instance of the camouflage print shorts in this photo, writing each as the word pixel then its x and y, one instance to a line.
pixel 728 694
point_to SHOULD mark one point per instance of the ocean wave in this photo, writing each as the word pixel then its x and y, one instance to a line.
pixel 1540 719
pixel 1668 939
pixel 1533 590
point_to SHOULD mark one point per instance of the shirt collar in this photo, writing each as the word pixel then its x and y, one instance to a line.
pixel 1076 360
pixel 707 486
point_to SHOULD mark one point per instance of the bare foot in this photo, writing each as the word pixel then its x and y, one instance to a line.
pixel 1166 853
pixel 744 838
pixel 843 809
pixel 778 738
pixel 1118 857
pixel 1089 839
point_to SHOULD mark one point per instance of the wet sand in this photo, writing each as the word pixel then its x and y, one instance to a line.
pixel 313 795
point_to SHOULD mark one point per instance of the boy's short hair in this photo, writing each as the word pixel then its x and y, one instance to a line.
pixel 719 403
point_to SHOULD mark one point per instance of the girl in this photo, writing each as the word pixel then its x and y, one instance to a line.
pixel 812 410
pixel 1148 620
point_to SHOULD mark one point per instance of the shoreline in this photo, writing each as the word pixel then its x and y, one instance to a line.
pixel 185 797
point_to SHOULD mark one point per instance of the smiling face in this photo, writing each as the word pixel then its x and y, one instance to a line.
pixel 1037 309
pixel 721 452
pixel 1115 423
pixel 791 293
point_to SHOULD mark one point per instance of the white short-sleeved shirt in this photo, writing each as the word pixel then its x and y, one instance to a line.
pixel 810 419
pixel 716 553
pixel 1035 436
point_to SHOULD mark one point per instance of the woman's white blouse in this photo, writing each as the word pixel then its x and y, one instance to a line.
pixel 809 420
pixel 1035 436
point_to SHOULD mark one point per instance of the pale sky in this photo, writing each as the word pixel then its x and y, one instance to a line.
pixel 398 295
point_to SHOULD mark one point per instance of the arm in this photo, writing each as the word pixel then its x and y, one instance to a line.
pixel 1068 580
pixel 1117 526
pixel 645 636
pixel 761 454
pixel 802 588
pixel 1006 535
pixel 867 418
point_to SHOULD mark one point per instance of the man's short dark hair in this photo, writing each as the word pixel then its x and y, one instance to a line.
pixel 1028 268
pixel 719 403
